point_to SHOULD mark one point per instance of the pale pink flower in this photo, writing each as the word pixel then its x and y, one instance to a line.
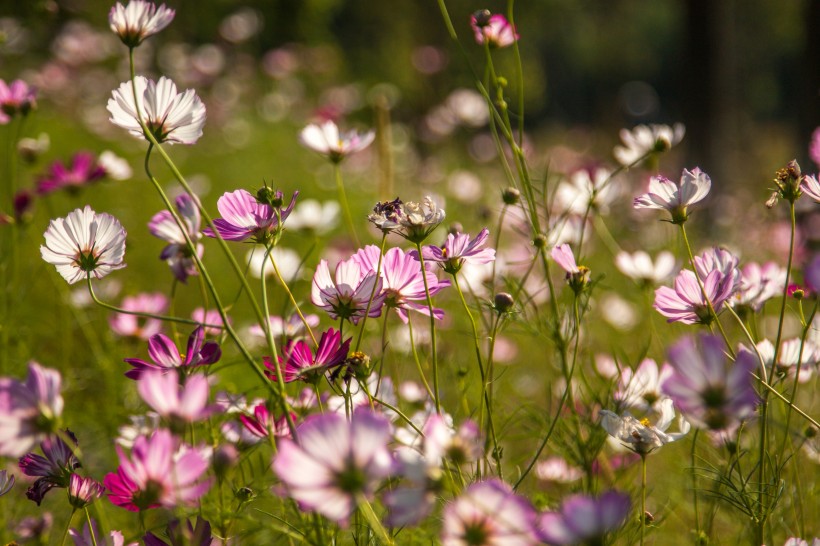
pixel 17 98
pixel 346 295
pixel 138 20
pixel 29 411
pixel 442 442
pixel 458 250
pixel 759 283
pixel 84 243
pixel 211 320
pixel 810 185
pixel 584 519
pixel 675 197
pixel 335 461
pixel 724 261
pixel 577 275
pixel 292 328
pixel 127 325
pixel 177 253
pixel 158 473
pixel 327 140
pixel 641 389
pixel 83 491
pixel 186 403
pixel 495 30
pixel 172 117
pixel 558 470
pixel 489 513
pixel 685 303
pixel 586 190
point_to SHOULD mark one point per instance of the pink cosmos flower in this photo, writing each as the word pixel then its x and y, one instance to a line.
pixel 758 284
pixel 402 280
pixel 577 275
pixel 641 389
pixel 159 472
pixel 245 217
pixel 675 197
pixel 138 20
pixel 172 117
pixel 458 249
pixel 329 141
pixel 299 363
pixel 82 170
pixel 186 403
pixel 489 513
pixel 52 470
pixel 29 411
pixel 584 519
pixel 177 253
pixel 495 30
pixel 713 392
pixel 346 296
pixel 17 98
pixel 587 189
pixel 685 303
pixel 722 260
pixel 814 147
pixel 335 462
pixel 442 442
pixel 166 357
pixel 292 328
pixel 83 491
pixel 262 424
pixel 211 320
pixel 558 470
pixel 810 186
pixel 84 243
pixel 127 325
pixel 639 266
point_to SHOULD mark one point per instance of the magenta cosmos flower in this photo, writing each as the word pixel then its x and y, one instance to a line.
pixel 246 217
pixel 458 249
pixel 402 280
pixel 82 170
pixel 52 469
pixel 172 117
pixel 138 20
pixel 262 423
pixel 711 391
pixel 489 513
pixel 346 295
pixel 83 491
pixel 494 30
pixel 167 358
pixel 584 519
pixel 17 98
pixel 159 472
pixel 29 411
pixel 675 197
pixel 327 140
pixel 126 325
pixel 685 303
pixel 84 243
pixel 177 253
pixel 299 363
pixel 335 462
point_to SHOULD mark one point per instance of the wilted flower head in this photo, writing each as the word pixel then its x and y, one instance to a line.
pixel 172 117
pixel 329 141
pixel 177 253
pixel 17 98
pixel 53 470
pixel 789 184
pixel 138 20
pixel 713 392
pixel 584 519
pixel 641 436
pixel 645 140
pixel 494 30
pixel 639 266
pixel 489 513
pixel 158 473
pixel 685 303
pixel 335 461
pixel 247 217
pixel 675 197
pixel 386 215
pixel 29 411
pixel 84 243
pixel 413 221
pixel 458 249
pixel 6 482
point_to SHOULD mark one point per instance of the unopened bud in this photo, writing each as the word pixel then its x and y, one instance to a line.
pixel 503 302
pixel 482 18
pixel 810 432
pixel 245 494
pixel 539 241
pixel 510 196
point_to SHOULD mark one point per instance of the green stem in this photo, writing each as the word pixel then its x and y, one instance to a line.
pixel 416 358
pixel 695 482
pixel 340 187
pixel 643 497
pixel 372 519
pixel 372 293
pixel 433 347
pixel 90 527
pixel 284 284
pixel 67 527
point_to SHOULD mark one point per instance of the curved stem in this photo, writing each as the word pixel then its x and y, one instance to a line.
pixel 284 284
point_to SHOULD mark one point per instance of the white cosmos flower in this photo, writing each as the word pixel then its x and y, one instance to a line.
pixel 644 139
pixel 139 20
pixel 327 140
pixel 84 242
pixel 639 266
pixel 170 116
pixel 641 436
pixel 675 197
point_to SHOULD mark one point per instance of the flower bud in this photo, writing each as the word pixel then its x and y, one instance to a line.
pixel 482 18
pixel 539 241
pixel 503 302
pixel 510 196
pixel 245 494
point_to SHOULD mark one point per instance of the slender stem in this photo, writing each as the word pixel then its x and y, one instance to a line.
pixel 643 497
pixel 90 527
pixel 695 482
pixel 269 255
pixel 367 510
pixel 791 405
pixel 712 312
pixel 433 347
pixel 67 526
pixel 372 293
pixel 498 243
pixel 340 187
pixel 416 358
